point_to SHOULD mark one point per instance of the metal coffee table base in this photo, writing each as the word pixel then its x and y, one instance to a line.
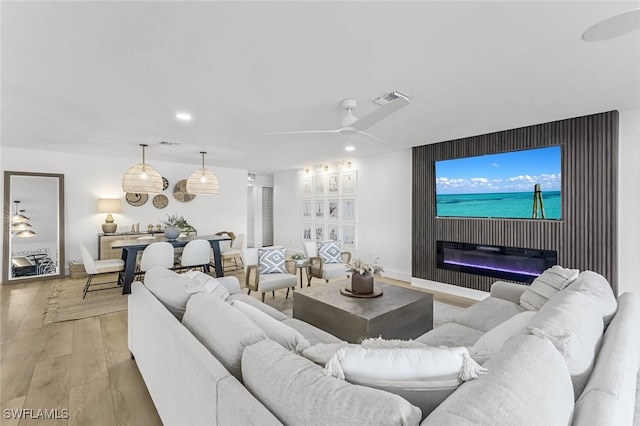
pixel 400 313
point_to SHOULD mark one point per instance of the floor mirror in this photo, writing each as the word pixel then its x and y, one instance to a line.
pixel 33 243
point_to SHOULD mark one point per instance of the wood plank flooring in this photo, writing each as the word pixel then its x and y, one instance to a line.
pixel 81 368
pixel 80 371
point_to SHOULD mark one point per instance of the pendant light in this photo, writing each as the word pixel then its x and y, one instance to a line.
pixel 142 178
pixel 18 217
pixel 22 228
pixel 202 181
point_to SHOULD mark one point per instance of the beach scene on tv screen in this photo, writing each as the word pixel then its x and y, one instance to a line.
pixel 501 185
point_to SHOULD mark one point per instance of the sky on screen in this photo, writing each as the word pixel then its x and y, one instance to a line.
pixel 515 171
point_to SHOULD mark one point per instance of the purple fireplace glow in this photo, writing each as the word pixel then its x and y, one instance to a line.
pixel 510 263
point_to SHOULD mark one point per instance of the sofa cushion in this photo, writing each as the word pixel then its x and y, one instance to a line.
pixel 422 375
pixel 272 261
pixel 527 384
pixel 610 395
pixel 222 329
pixel 172 290
pixel 494 339
pixel 210 284
pixel 546 285
pixel 276 281
pixel 330 251
pixel 571 321
pixel 275 330
pixel 313 334
pixel 598 288
pixel 275 376
pixel 451 334
pixel 487 313
pixel 249 300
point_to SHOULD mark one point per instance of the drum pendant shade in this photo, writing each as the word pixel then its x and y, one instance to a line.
pixel 202 181
pixel 142 178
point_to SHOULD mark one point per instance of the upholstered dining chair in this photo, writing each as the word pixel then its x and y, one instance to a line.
pixel 156 254
pixel 96 267
pixel 233 252
pixel 266 269
pixel 196 254
pixel 327 262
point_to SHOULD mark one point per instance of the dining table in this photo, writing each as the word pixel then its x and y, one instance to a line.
pixel 130 249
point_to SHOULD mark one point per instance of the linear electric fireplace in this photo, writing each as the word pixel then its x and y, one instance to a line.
pixel 509 263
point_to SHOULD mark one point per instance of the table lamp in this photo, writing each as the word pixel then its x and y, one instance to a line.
pixel 109 205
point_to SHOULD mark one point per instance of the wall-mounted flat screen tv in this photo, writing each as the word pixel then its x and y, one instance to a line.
pixel 517 185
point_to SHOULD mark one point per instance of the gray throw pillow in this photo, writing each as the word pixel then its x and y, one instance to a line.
pixel 272 261
pixel 330 251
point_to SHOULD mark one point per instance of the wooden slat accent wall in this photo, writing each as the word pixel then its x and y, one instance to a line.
pixel 586 237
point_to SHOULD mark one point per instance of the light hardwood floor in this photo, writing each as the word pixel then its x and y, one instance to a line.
pixel 82 366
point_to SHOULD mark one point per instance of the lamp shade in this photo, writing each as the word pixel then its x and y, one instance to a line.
pixel 109 205
pixel 26 234
pixel 142 179
pixel 203 182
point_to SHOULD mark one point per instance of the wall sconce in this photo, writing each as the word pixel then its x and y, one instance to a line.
pixel 304 171
pixel 344 163
pixel 322 168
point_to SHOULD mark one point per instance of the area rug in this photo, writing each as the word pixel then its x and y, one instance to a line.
pixel 66 302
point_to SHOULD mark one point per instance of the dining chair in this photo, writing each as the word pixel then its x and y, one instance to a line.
pixel 196 254
pixel 156 254
pixel 233 252
pixel 95 267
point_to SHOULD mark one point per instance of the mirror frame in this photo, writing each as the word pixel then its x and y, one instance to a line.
pixel 6 279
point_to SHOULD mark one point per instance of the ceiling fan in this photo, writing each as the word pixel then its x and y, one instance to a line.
pixel 351 125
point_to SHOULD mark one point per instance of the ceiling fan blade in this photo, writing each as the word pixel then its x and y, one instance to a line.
pixel 375 138
pixel 381 113
pixel 303 132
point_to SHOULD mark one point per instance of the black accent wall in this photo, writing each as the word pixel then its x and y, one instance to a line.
pixel 586 237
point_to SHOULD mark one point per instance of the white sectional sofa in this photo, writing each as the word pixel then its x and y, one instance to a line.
pixel 215 367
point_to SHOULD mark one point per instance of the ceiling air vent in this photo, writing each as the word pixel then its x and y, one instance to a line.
pixel 251 176
pixel 388 97
pixel 167 143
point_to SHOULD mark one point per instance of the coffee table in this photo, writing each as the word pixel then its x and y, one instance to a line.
pixel 400 313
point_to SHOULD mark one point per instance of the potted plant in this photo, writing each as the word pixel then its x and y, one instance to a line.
pixel 298 257
pixel 176 224
pixel 362 275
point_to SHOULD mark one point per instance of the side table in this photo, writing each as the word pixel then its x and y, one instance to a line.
pixel 305 266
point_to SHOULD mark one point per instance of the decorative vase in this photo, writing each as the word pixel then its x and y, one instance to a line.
pixel 171 232
pixel 362 284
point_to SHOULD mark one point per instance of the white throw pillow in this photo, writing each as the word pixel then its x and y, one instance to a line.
pixel 330 251
pixel 288 337
pixel 209 283
pixel 172 289
pixel 492 340
pixel 546 285
pixel 272 261
pixel 423 376
pixel 321 353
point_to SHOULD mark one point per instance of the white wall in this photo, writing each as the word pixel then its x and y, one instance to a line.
pixel 383 210
pixel 629 202
pixel 88 178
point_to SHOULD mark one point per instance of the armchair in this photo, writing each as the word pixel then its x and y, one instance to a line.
pixel 320 269
pixel 264 282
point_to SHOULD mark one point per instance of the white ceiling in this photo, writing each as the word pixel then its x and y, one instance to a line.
pixel 103 77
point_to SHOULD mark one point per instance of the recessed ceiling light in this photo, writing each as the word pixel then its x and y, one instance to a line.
pixel 613 26
pixel 350 148
pixel 183 116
